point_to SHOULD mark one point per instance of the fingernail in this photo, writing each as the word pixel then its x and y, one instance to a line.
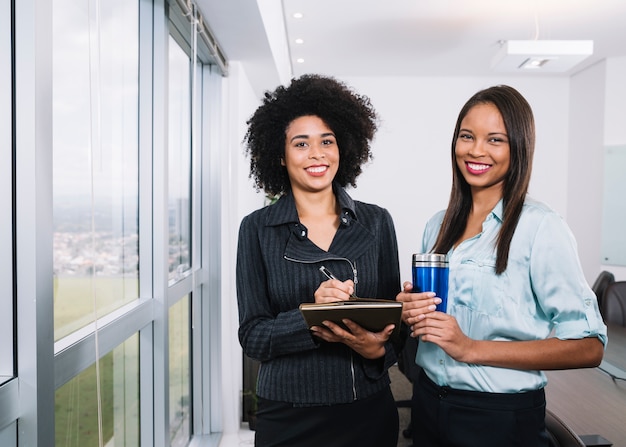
pixel 432 307
pixel 437 300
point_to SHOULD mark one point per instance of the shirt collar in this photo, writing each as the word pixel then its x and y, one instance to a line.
pixel 498 210
pixel 284 210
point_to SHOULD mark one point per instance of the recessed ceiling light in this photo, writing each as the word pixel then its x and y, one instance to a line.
pixel 299 41
pixel 300 60
pixel 298 15
pixel 533 63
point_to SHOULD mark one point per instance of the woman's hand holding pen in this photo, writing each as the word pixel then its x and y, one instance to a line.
pixel 334 290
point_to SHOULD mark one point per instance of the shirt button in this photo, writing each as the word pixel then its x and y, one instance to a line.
pixel 441 361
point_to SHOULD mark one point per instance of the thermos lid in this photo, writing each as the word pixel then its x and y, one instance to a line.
pixel 430 259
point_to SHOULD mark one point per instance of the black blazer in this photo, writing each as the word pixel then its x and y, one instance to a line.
pixel 278 268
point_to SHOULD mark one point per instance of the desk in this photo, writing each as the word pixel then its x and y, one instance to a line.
pixel 588 400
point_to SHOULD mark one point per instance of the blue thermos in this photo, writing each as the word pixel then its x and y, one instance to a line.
pixel 430 274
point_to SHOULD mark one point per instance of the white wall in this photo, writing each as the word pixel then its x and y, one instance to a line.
pixel 586 164
pixel 238 199
pixel 597 120
pixel 615 98
pixel 614 124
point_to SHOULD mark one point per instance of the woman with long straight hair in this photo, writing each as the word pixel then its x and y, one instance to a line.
pixel 518 302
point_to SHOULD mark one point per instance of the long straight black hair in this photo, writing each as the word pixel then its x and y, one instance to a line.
pixel 520 127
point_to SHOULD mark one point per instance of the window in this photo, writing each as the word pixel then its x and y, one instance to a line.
pixel 103 267
pixel 183 91
pixel 95 160
pixel 95 225
pixel 180 390
pixel 179 160
pixel 78 420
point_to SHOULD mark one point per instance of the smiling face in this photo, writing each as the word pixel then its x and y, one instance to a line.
pixel 311 154
pixel 482 149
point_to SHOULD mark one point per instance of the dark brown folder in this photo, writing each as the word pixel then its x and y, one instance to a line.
pixel 371 314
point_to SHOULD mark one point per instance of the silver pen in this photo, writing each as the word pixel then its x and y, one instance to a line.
pixel 329 275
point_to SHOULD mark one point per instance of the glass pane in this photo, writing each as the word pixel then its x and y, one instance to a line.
pixel 179 161
pixel 95 160
pixel 180 405
pixel 76 402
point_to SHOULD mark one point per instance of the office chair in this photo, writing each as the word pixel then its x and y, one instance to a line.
pixel 408 367
pixel 559 433
pixel 599 286
pixel 614 303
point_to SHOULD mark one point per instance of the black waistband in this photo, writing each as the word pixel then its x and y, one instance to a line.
pixel 524 399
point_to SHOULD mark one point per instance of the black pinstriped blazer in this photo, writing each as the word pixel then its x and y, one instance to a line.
pixel 277 269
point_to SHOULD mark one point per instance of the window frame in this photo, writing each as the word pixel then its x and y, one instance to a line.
pixel 7 352
pixel 33 223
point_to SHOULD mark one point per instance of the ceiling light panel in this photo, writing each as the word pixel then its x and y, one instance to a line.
pixel 555 56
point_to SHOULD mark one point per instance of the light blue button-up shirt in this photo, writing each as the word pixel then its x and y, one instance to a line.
pixel 542 293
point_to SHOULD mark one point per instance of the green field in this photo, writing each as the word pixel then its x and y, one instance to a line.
pixel 76 410
pixel 76 402
pixel 77 300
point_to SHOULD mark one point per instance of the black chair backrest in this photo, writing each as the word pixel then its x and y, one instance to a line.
pixel 614 303
pixel 559 433
pixel 601 283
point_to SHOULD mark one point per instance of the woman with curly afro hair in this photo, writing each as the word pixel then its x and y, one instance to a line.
pixel 329 384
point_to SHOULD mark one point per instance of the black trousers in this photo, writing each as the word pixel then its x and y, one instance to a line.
pixel 371 422
pixel 445 417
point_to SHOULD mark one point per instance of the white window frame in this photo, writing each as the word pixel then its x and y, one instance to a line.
pixel 6 195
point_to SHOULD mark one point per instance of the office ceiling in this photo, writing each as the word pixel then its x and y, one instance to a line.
pixel 402 37
pixel 440 37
